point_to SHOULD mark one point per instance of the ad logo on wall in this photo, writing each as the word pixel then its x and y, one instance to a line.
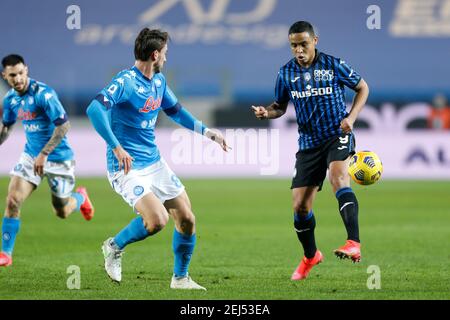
pixel 218 22
pixel 418 18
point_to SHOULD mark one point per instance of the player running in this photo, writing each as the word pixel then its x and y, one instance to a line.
pixel 47 152
pixel 314 82
pixel 125 114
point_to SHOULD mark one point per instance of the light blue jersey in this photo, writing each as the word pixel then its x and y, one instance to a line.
pixel 40 111
pixel 133 102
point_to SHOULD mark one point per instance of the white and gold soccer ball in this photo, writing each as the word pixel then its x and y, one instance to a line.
pixel 365 168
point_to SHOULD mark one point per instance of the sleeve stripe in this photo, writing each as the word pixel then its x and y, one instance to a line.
pixel 172 110
pixel 103 100
pixel 60 120
pixel 8 123
pixel 357 82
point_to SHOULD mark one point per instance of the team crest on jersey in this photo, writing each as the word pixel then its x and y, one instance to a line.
pixel 138 190
pixel 30 100
pixel 322 74
pixel 158 83
pixel 307 76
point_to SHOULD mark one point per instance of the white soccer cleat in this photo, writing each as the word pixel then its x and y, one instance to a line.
pixel 113 260
pixel 185 283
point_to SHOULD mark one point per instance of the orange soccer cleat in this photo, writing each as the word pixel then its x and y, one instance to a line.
pixel 5 259
pixel 306 265
pixel 86 208
pixel 350 250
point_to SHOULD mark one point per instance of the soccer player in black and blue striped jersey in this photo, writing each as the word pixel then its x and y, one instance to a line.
pixel 314 82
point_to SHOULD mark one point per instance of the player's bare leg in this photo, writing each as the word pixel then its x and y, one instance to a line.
pixel 180 210
pixel 18 191
pixel 304 224
pixel 77 201
pixel 184 239
pixel 153 217
pixel 303 199
pixel 153 213
pixel 63 207
pixel 348 208
pixel 338 175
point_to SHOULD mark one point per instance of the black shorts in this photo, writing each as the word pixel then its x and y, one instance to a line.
pixel 312 164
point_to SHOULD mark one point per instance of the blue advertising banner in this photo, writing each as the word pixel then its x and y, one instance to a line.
pixel 230 47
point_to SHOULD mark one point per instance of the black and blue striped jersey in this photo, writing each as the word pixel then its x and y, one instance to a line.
pixel 318 95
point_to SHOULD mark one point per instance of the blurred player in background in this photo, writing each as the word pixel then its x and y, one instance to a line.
pixel 314 82
pixel 47 152
pixel 125 114
pixel 439 115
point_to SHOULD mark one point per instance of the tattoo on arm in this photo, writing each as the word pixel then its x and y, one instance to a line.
pixel 4 133
pixel 57 136
pixel 276 110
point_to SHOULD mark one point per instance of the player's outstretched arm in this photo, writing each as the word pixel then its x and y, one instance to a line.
pixel 4 133
pixel 184 118
pixel 58 134
pixel 275 110
pixel 98 115
pixel 359 100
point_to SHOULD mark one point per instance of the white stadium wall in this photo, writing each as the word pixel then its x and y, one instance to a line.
pixel 406 154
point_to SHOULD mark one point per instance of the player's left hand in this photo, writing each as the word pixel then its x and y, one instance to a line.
pixel 39 163
pixel 217 137
pixel 347 125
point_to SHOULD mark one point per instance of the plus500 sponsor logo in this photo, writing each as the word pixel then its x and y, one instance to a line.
pixel 312 92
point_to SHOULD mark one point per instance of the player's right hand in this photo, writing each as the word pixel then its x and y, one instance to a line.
pixel 260 112
pixel 39 163
pixel 217 137
pixel 125 160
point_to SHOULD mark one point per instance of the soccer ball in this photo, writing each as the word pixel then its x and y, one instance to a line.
pixel 365 168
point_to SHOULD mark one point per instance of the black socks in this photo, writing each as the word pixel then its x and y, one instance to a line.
pixel 304 227
pixel 348 208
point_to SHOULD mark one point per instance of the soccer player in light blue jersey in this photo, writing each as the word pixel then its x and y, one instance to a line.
pixel 47 152
pixel 124 113
pixel 315 84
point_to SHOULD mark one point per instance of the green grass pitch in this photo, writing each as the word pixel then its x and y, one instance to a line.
pixel 246 246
